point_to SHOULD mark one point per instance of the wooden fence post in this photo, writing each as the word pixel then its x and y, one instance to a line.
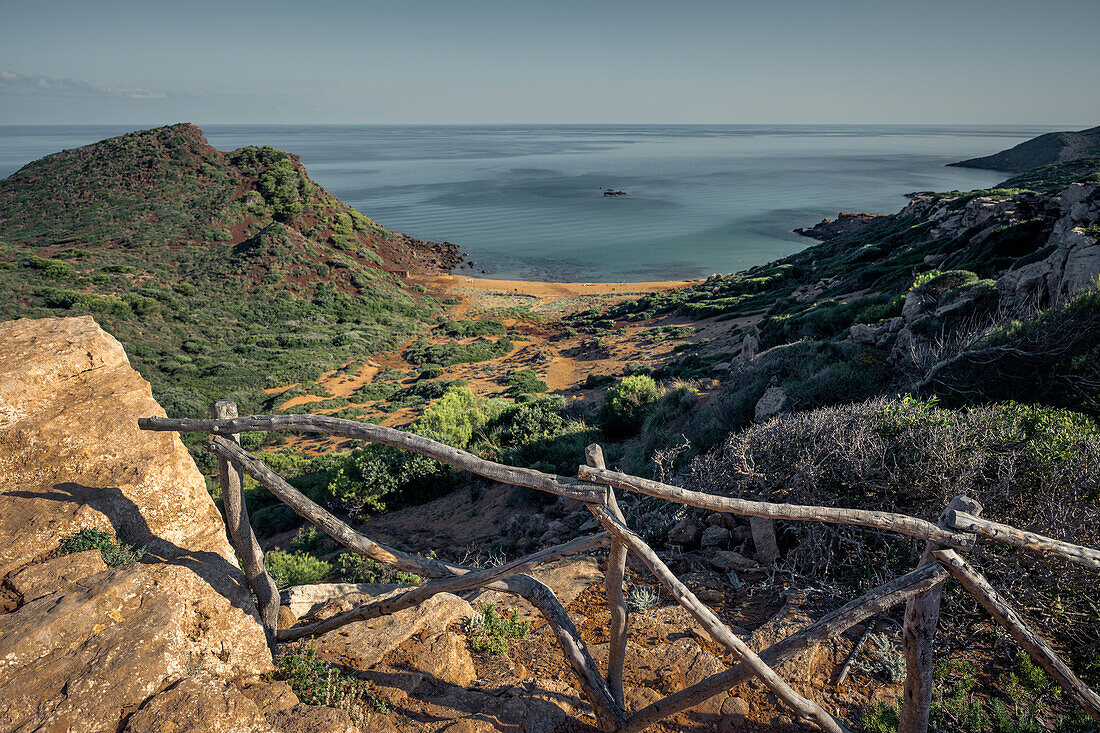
pixel 763 538
pixel 613 585
pixel 240 532
pixel 922 616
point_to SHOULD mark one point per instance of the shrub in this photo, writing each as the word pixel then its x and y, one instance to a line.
pixel 489 632
pixel 1051 357
pixel 881 311
pixel 361 569
pixel 114 553
pixel 456 416
pixel 422 351
pixel 524 381
pixel 53 269
pixel 643 598
pixel 1036 468
pixel 431 371
pixel 882 718
pixel 316 682
pixel 295 568
pixel 626 404
pixel 464 329
pixel 594 381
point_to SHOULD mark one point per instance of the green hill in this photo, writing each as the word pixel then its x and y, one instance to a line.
pixel 220 272
pixel 1048 149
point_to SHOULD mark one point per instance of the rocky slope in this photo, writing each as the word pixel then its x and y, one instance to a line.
pixel 1048 149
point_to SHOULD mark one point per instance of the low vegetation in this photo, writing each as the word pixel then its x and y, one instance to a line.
pixel 114 553
pixel 221 273
pixel 489 632
pixel 317 682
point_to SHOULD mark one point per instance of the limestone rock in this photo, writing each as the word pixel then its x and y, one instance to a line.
pixel 302 600
pixel 750 347
pixel 58 573
pixel 445 657
pixel 309 719
pixel 683 532
pixel 206 707
pixel 715 537
pixel 772 403
pixel 363 644
pixel 94 649
pixel 726 560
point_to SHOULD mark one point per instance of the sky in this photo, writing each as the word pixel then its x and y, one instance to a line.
pixel 550 61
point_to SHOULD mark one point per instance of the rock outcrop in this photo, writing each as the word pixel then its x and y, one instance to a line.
pixel 1059 254
pixel 86 647
pixel 845 223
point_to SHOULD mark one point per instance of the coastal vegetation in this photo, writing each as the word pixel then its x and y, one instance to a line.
pixel 221 273
pixel 889 366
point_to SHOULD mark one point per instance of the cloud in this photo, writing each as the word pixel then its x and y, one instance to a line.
pixel 22 84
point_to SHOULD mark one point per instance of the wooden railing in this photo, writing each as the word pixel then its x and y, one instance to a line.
pixel 957 530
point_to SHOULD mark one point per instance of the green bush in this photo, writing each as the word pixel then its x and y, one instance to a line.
pixel 316 682
pixel 431 371
pixel 456 416
pixel 359 569
pixel 524 381
pixel 53 269
pixel 114 553
pixel 882 718
pixel 626 404
pixel 489 631
pixel 464 329
pixel 422 351
pixel 295 568
pixel 594 381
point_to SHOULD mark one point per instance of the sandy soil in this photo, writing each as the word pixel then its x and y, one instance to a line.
pixel 543 299
pixel 530 311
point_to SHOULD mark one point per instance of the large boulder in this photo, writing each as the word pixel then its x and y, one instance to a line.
pixel 83 646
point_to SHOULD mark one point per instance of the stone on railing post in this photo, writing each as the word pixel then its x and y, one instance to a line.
pixel 241 535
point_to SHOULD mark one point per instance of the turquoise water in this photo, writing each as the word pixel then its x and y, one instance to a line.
pixel 526 201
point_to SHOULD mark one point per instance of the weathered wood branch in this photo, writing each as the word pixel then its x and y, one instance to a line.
pixel 900 523
pixel 717 630
pixel 922 616
pixel 559 485
pixel 241 535
pixel 856 649
pixel 613 586
pixel 1025 540
pixel 537 593
pixel 830 626
pixel 1031 642
pixel 450 584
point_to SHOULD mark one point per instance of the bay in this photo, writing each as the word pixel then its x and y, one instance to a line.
pixel 526 201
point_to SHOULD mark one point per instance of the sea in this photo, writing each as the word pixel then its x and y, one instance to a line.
pixel 526 201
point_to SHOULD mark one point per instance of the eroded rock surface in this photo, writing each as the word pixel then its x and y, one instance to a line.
pixel 86 646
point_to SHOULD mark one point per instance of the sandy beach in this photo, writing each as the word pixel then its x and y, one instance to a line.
pixel 541 298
